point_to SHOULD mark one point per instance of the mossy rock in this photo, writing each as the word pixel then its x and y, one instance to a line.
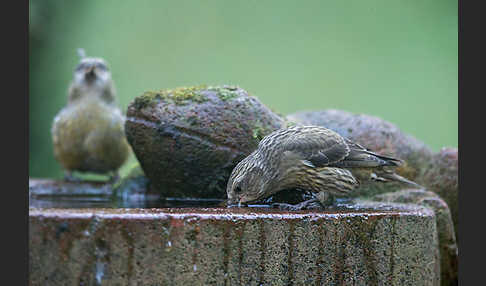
pixel 188 140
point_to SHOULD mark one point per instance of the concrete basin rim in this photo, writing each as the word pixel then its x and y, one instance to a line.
pixel 160 214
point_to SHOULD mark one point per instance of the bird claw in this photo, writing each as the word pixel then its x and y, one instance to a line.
pixel 285 207
pixel 314 206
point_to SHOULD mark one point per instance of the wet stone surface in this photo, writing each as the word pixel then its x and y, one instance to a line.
pixel 366 244
pixel 44 193
pixel 71 195
pixel 356 241
pixel 445 227
pixel 120 203
pixel 58 188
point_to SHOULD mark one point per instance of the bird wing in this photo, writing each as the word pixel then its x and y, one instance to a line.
pixel 361 157
pixel 315 146
pixel 320 147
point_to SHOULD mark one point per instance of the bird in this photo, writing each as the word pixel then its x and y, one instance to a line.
pixel 311 158
pixel 88 132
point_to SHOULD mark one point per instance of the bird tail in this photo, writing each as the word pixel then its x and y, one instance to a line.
pixel 389 161
pixel 390 176
pixel 356 152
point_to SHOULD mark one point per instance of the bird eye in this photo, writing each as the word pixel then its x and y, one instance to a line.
pixel 101 67
pixel 238 190
pixel 80 67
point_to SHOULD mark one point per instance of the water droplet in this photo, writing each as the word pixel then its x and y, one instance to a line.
pixel 165 230
pixel 100 272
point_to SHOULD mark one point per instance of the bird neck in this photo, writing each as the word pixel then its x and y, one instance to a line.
pixel 91 93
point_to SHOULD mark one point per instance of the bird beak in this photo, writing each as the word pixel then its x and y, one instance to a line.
pixel 90 72
pixel 231 203
pixel 243 201
pixel 235 203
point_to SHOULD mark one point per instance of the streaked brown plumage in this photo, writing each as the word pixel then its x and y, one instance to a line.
pixel 88 133
pixel 311 158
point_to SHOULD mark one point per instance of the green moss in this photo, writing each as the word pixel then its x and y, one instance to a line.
pixel 259 131
pixel 179 96
pixel 182 95
pixel 146 99
pixel 185 95
pixel 225 92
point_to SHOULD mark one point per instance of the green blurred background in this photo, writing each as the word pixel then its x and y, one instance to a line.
pixel 396 59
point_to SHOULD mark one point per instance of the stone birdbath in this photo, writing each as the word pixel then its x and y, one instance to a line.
pixel 164 223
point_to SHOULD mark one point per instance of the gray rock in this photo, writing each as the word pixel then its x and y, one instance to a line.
pixel 188 140
pixel 442 177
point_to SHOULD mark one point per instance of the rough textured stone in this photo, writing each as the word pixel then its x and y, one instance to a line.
pixel 188 140
pixel 366 244
pixel 442 177
pixel 445 227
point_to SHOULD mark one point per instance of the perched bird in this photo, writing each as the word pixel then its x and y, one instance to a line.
pixel 311 158
pixel 88 133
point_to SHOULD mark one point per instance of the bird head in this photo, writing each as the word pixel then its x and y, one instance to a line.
pixel 246 182
pixel 92 71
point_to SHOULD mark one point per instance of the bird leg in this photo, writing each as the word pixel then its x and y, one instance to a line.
pixel 325 198
pixel 319 201
pixel 391 176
